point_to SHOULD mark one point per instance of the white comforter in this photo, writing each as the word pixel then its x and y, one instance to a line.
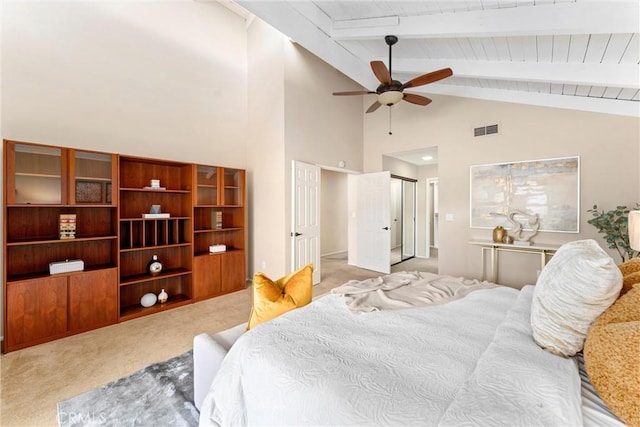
pixel 469 362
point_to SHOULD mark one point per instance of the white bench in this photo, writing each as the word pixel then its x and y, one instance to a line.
pixel 208 352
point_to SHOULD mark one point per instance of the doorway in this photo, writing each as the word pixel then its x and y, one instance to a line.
pixel 403 219
pixel 432 217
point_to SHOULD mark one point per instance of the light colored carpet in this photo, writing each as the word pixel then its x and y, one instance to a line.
pixel 34 379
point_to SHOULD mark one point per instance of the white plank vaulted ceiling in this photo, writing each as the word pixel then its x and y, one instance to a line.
pixel 576 54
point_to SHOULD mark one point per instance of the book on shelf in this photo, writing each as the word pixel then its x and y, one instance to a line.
pixel 216 220
pixel 155 188
pixel 67 226
pixel 156 215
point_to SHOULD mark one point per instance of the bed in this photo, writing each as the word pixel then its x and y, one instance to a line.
pixel 466 359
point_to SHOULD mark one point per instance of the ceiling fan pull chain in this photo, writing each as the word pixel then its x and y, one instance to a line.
pixel 390 133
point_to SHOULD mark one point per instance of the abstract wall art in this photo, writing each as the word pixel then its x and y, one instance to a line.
pixel 549 188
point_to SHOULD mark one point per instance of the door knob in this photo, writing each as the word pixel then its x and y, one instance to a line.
pixel 385 228
pixel 296 234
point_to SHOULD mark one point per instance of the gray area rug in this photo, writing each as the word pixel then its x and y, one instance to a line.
pixel 158 395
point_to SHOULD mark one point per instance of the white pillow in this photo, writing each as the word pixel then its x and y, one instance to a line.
pixel 574 288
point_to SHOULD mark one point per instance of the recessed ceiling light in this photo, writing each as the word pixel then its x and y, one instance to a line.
pixel 427 158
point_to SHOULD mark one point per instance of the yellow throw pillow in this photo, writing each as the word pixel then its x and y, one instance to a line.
pixel 612 355
pixel 273 298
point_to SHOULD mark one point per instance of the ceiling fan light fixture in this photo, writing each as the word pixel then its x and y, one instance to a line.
pixel 390 97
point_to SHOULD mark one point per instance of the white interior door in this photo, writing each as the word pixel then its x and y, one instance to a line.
pixel 305 221
pixel 373 242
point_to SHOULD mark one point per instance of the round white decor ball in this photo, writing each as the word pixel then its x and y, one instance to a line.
pixel 148 300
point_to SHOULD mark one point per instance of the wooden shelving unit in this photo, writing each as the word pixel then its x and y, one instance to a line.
pixel 219 191
pixel 108 195
pixel 170 239
pixel 42 183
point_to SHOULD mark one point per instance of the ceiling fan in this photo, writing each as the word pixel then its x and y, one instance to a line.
pixel 391 91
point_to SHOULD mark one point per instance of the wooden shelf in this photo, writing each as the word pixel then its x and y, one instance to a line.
pixel 140 278
pixel 218 230
pixel 38 175
pixel 150 248
pixel 154 219
pixel 49 205
pixel 59 241
pixel 46 274
pixel 92 178
pixel 201 253
pixel 134 311
pixel 148 190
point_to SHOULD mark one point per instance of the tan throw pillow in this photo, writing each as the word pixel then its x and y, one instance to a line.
pixel 630 266
pixel 612 357
pixel 630 274
pixel 574 288
pixel 273 298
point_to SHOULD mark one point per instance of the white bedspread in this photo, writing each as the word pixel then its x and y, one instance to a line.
pixel 471 361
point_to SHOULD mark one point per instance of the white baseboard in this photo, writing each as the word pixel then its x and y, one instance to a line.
pixel 345 252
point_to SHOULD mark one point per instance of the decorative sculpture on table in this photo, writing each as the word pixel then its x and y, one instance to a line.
pixel 499 234
pixel 519 237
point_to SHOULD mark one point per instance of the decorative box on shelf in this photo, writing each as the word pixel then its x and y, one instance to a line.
pixel 216 220
pixel 67 266
pixel 156 215
pixel 217 248
pixel 67 226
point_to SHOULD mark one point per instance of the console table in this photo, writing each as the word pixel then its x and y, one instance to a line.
pixel 543 251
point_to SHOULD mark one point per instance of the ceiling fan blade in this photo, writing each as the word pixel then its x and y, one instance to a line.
pixel 431 77
pixel 353 92
pixel 381 71
pixel 416 99
pixel 373 107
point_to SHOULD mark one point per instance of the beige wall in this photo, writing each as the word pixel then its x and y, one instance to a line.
pixel 293 116
pixel 265 151
pixel 319 128
pixel 162 79
pixel 608 146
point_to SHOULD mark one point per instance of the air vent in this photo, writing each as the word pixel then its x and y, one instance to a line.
pixel 480 131
pixel 485 130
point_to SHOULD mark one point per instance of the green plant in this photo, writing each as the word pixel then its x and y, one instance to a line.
pixel 614 225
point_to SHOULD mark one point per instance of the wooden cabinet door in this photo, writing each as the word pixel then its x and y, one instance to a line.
pixel 233 271
pixel 36 311
pixel 206 276
pixel 93 299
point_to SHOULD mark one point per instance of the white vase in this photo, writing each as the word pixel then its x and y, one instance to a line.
pixel 163 297
pixel 148 299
